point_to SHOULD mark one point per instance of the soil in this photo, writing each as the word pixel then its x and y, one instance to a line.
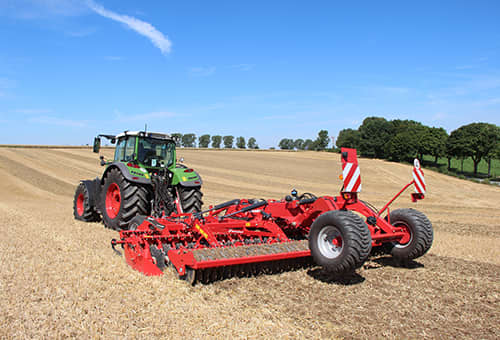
pixel 60 278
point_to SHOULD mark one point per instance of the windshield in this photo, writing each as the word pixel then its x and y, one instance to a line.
pixel 153 152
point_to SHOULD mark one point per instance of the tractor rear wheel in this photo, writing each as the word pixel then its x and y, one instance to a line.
pixel 190 199
pixel 122 200
pixel 339 241
pixel 82 210
pixel 420 232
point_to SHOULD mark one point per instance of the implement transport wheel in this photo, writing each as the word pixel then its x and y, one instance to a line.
pixel 420 234
pixel 190 199
pixel 339 241
pixel 122 200
pixel 82 210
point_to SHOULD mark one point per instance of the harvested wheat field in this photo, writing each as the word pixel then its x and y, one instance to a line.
pixel 60 278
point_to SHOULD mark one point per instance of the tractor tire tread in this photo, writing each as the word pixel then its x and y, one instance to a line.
pixel 191 199
pixel 134 200
pixel 90 213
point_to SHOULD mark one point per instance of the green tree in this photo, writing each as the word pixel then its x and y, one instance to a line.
pixel 433 142
pixel 286 144
pixel 240 142
pixel 216 141
pixel 406 145
pixel 299 144
pixel 374 132
pixel 203 141
pixel 475 140
pixel 348 138
pixel 188 140
pixel 252 143
pixel 402 146
pixel 494 153
pixel 308 144
pixel 322 141
pixel 177 137
pixel 228 142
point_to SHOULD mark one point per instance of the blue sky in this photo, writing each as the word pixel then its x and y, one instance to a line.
pixel 268 69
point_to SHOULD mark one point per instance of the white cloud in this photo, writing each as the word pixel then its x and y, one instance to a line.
pixel 33 111
pixel 113 58
pixel 48 120
pixel 145 116
pixel 202 71
pixel 141 27
pixel 81 33
pixel 35 9
pixel 243 67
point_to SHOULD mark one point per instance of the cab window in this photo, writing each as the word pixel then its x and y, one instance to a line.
pixel 130 150
pixel 120 150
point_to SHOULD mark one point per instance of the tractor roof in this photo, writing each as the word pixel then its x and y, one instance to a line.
pixel 156 135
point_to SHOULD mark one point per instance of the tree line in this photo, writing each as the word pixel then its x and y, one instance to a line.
pixel 188 140
pixel 403 140
pixel 319 144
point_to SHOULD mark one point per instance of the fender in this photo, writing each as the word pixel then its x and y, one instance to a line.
pixel 186 177
pixel 140 178
pixel 94 189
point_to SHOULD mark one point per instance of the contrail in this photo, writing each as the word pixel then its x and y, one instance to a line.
pixel 141 27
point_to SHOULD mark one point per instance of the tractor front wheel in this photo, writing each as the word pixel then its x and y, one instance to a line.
pixel 122 200
pixel 339 241
pixel 420 234
pixel 82 210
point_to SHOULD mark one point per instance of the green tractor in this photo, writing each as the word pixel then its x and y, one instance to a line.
pixel 143 179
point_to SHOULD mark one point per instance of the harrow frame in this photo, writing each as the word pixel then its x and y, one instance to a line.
pixel 244 231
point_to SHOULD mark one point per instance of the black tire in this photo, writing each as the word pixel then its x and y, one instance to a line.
pixel 136 221
pixel 134 200
pixel 158 256
pixel 421 232
pixel 82 210
pixel 191 199
pixel 339 241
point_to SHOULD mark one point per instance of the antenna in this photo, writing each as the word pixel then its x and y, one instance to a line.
pixel 145 127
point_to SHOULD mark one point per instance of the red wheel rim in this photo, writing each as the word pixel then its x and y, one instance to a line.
pixel 79 204
pixel 113 200
pixel 407 237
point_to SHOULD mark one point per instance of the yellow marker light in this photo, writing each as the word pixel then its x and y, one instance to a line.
pixel 341 177
pixel 247 224
pixel 184 178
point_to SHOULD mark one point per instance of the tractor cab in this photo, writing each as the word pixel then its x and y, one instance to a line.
pixel 146 149
pixel 149 150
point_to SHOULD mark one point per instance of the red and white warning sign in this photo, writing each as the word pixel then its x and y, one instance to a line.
pixel 418 177
pixel 350 170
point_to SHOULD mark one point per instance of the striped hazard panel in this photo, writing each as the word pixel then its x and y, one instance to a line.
pixel 350 171
pixel 418 177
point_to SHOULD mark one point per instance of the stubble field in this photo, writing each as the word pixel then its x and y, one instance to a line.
pixel 59 277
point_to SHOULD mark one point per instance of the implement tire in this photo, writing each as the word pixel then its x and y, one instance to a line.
pixel 421 234
pixel 122 200
pixel 191 199
pixel 339 241
pixel 82 210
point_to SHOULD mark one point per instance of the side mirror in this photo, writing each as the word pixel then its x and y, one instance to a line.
pixel 97 144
